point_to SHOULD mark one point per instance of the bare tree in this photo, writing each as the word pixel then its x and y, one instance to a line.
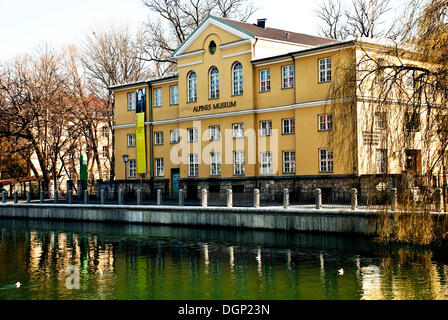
pixel 109 58
pixel 175 20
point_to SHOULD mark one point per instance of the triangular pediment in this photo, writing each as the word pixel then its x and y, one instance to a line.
pixel 209 21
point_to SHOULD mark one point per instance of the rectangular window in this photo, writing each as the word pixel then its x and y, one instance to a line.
pixel 381 156
pixel 132 170
pixel 105 152
pixel 288 126
pixel 174 95
pixel 131 140
pixel 287 77
pixel 325 122
pixel 215 163
pixel 238 163
pixel 192 134
pixel 266 163
pixel 158 138
pixel 289 162
pixel 325 160
pixel 380 121
pixel 131 101
pixel 325 70
pixel 175 138
pixel 238 130
pixel 193 165
pixel 105 132
pixel 159 167
pixel 265 128
pixel 265 80
pixel 412 121
pixel 215 133
pixel 158 97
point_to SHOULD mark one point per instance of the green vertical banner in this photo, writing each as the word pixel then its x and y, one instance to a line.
pixel 140 133
pixel 83 171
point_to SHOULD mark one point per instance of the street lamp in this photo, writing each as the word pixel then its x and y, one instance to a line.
pixel 125 160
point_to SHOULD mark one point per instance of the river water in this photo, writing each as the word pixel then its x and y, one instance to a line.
pixel 158 262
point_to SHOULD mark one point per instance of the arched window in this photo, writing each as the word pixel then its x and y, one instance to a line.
pixel 214 83
pixel 192 87
pixel 237 79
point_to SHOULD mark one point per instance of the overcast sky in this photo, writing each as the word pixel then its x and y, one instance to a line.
pixel 24 24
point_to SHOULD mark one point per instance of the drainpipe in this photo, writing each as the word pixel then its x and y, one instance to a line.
pixel 295 84
pixel 151 133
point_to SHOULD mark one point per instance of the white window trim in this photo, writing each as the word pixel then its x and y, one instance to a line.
pixel 130 139
pixel 160 167
pixel 132 94
pixel 289 76
pixel 217 129
pixel 215 163
pixel 158 133
pixel 195 134
pixel 289 120
pixel 289 161
pixel 133 168
pixel 267 80
pixel 176 134
pixel 235 83
pixel 194 163
pixel 325 70
pixel 157 99
pixel 263 164
pixel 326 122
pixel 263 131
pixel 176 100
pixel 326 160
pixel 240 164
pixel 192 89
pixel 213 90
pixel 235 136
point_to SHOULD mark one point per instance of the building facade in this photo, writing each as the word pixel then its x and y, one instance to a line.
pixel 248 108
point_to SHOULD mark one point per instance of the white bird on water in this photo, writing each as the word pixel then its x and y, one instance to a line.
pixel 18 284
pixel 341 272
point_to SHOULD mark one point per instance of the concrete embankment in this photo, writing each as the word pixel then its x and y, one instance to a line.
pixel 291 219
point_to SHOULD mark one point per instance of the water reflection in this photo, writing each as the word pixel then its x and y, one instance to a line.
pixel 139 262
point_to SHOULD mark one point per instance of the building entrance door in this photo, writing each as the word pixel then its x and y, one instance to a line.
pixel 175 175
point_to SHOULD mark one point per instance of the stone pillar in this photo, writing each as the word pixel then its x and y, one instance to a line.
pixel 354 198
pixel 16 197
pixel 181 197
pixel 285 198
pixel 256 198
pixel 159 197
pixel 3 197
pixel 70 196
pixel 28 196
pixel 103 196
pixel 120 197
pixel 438 199
pixel 86 196
pixel 318 193
pixel 42 196
pixel 229 195
pixel 56 194
pixel 139 197
pixel 393 199
pixel 204 197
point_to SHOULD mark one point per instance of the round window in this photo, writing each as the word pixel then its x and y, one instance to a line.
pixel 212 47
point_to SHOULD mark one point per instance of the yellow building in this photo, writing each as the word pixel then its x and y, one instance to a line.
pixel 249 107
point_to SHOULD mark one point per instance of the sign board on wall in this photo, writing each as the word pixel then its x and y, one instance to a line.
pixel 140 133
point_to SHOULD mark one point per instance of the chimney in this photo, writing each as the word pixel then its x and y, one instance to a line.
pixel 261 23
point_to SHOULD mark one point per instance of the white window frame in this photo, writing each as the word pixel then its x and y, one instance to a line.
pixel 265 80
pixel 265 129
pixel 158 138
pixel 193 165
pixel 192 86
pixel 325 122
pixel 157 97
pixel 380 121
pixel 215 163
pixel 132 140
pixel 238 130
pixel 325 70
pixel 159 164
pixel 213 83
pixel 192 134
pixel 131 101
pixel 105 132
pixel 132 169
pixel 381 161
pixel 326 161
pixel 105 152
pixel 237 79
pixel 174 136
pixel 266 163
pixel 289 162
pixel 288 77
pixel 288 126
pixel 174 95
pixel 238 163
pixel 215 133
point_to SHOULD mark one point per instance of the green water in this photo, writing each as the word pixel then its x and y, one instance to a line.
pixel 152 262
